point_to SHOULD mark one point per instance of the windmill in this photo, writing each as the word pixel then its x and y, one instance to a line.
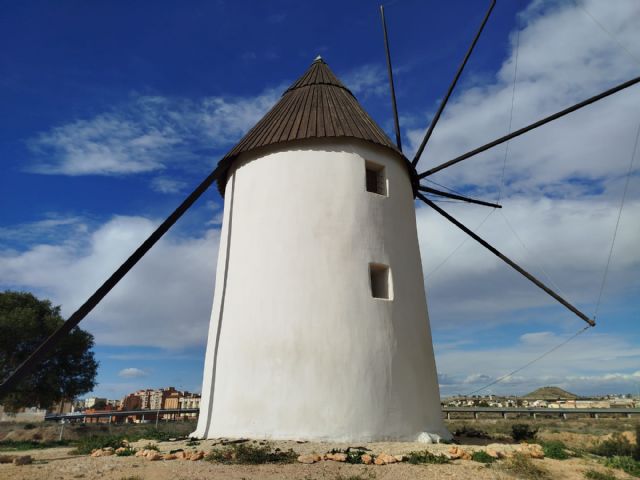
pixel 364 141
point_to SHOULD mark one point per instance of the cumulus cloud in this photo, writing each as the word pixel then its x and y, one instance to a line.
pixel 165 301
pixel 563 57
pixel 565 243
pixel 574 367
pixel 562 189
pixel 147 134
pixel 132 372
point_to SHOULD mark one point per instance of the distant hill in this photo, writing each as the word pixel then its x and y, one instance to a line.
pixel 550 393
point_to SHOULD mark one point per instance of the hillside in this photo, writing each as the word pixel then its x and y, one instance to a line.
pixel 550 393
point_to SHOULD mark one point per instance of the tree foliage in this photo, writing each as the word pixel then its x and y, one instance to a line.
pixel 68 371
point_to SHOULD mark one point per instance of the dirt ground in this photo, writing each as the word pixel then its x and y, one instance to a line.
pixel 58 464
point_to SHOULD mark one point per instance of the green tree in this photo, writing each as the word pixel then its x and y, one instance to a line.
pixel 69 370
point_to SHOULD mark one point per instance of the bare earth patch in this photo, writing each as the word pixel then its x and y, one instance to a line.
pixel 58 464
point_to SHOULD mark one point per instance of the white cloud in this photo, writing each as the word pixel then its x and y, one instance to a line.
pixel 366 81
pixel 563 58
pixel 567 243
pixel 132 372
pixel 167 185
pixel 590 364
pixel 147 134
pixel 51 229
pixel 563 185
pixel 164 301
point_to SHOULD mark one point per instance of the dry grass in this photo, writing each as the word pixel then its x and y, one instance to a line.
pixel 521 466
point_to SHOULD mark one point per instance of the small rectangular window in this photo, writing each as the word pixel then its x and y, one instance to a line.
pixel 376 180
pixel 381 285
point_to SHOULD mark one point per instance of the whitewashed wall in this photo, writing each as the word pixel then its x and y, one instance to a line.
pixel 298 348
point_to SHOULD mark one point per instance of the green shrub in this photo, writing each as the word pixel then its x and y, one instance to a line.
pixel 522 432
pixel 555 449
pixel 596 475
pixel 354 455
pixel 521 466
pixel 482 457
pixel 425 457
pixel 250 454
pixel 29 426
pixel 616 446
pixel 626 464
pixel 127 452
pixel 151 446
pixel 636 451
pixel 86 445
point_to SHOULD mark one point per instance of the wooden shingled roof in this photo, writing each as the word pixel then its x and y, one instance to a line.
pixel 317 105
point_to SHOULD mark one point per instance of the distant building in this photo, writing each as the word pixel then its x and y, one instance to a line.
pixel 91 401
pixel 151 400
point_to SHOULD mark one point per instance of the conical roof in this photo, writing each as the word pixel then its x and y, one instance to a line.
pixel 317 105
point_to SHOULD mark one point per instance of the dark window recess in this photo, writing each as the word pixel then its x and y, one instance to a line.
pixel 380 281
pixel 376 181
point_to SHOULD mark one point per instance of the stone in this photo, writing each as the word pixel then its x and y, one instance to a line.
pixel 107 453
pixel 120 450
pixel 336 457
pixel 310 458
pixel 23 460
pixel 170 456
pixel 154 456
pixel 181 455
pixel 399 458
pixel 366 459
pixel 196 456
pixel 456 453
pixel 140 453
pixel 533 450
pixel 97 453
pixel 386 458
pixel 7 458
pixel 492 453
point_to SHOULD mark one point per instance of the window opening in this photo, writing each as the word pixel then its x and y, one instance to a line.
pixel 376 179
pixel 380 276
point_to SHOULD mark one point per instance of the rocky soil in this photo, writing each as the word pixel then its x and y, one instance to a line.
pixel 59 464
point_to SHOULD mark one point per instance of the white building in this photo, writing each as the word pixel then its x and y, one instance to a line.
pixel 319 328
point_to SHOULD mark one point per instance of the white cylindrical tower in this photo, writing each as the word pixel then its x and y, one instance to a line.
pixel 319 328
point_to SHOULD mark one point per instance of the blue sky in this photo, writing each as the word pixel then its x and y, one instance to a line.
pixel 114 111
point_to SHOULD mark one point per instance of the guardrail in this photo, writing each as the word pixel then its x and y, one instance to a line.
pixel 534 412
pixel 143 415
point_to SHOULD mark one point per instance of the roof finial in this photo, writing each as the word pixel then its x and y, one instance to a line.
pixel 318 59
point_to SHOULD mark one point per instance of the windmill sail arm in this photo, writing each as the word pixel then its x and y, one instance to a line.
pixel 530 127
pixel 45 348
pixel 394 105
pixel 445 99
pixel 508 261
pixel 457 197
